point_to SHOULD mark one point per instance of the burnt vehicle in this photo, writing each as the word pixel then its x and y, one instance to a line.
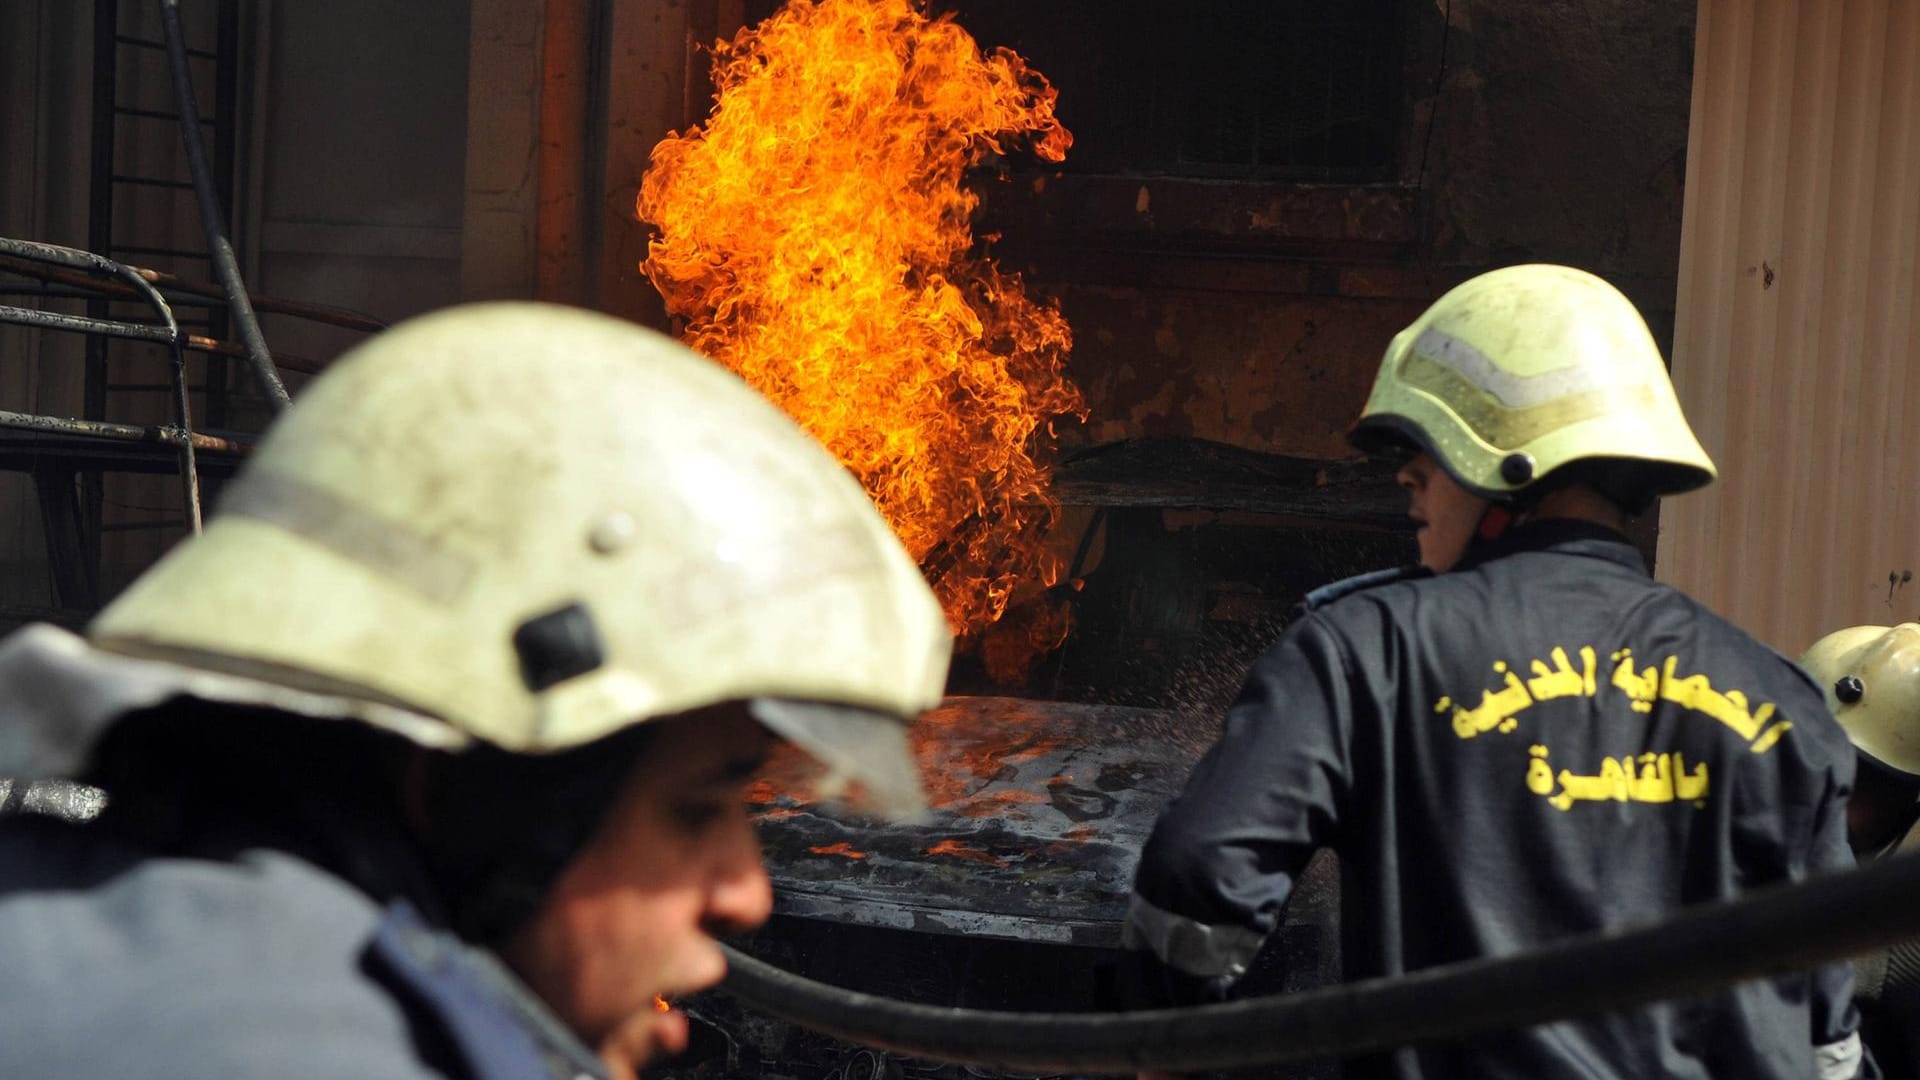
pixel 1010 894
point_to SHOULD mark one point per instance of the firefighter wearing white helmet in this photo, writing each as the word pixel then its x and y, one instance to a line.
pixel 1525 736
pixel 1871 675
pixel 428 758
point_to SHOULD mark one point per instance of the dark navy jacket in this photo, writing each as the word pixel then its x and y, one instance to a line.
pixel 1543 742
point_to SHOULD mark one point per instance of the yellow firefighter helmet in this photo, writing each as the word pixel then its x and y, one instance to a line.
pixel 535 526
pixel 1872 678
pixel 1525 370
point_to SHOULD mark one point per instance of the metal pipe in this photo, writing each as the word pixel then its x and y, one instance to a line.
pixel 102 429
pixel 189 468
pixel 171 336
pixel 200 343
pixel 75 292
pixel 1772 931
pixel 54 320
pixel 226 266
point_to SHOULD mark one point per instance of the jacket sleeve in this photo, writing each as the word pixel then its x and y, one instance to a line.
pixel 1836 1021
pixel 1223 857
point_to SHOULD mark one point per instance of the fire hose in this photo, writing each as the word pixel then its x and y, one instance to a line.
pixel 1772 931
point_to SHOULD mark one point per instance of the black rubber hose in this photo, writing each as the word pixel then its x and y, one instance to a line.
pixel 1772 931
pixel 226 268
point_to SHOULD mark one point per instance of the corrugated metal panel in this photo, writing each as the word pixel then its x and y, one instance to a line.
pixel 1796 330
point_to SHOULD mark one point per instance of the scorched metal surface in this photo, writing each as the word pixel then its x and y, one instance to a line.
pixel 1038 811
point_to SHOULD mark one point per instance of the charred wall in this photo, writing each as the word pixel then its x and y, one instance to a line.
pixel 1253 310
pixel 1238 303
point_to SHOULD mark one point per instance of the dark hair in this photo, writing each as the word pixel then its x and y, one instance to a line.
pixel 500 827
pixel 482 841
pixel 1629 484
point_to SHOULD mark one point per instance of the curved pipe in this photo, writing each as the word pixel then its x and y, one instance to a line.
pixel 1772 931
pixel 89 262
pixel 225 267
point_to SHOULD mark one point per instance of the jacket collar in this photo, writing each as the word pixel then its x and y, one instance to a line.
pixel 1561 536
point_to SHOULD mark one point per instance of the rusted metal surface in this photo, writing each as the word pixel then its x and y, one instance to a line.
pixel 1038 810
pixel 1010 895
pixel 101 429
pixel 565 239
pixel 62 799
pixel 1200 474
pixel 1363 223
pixel 1798 323
pixel 54 320
pixel 1038 813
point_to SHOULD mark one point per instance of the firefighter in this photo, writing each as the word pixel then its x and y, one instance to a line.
pixel 1871 675
pixel 428 758
pixel 1525 736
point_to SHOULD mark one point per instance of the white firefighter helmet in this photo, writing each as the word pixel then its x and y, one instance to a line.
pixel 1872 679
pixel 535 526
pixel 1525 370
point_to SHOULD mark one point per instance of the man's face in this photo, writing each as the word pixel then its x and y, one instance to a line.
pixel 1879 808
pixel 632 915
pixel 1446 512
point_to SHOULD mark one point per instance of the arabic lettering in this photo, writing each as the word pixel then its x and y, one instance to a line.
pixel 1642 688
pixel 1539 773
pixel 1562 680
pixel 1496 710
pixel 1558 677
pixel 1653 778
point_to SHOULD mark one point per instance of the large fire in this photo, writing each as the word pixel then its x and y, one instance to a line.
pixel 815 237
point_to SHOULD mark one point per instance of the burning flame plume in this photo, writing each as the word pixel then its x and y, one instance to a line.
pixel 814 237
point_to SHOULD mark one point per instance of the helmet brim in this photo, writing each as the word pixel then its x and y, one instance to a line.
pixel 852 743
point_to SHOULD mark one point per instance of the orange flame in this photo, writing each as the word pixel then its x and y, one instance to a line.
pixel 814 237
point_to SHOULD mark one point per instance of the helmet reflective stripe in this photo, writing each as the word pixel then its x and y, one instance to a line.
pixel 1515 391
pixel 378 543
pixel 1506 411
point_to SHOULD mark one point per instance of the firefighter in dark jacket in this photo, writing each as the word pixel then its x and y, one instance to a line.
pixel 1526 736
pixel 428 759
pixel 1872 679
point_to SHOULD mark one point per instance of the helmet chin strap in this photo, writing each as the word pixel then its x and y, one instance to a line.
pixel 1501 516
pixel 1494 522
